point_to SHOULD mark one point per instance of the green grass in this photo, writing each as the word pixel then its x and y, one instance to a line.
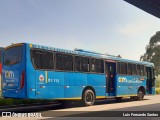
pixel 9 101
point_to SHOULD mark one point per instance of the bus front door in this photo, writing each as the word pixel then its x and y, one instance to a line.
pixel 110 70
pixel 150 82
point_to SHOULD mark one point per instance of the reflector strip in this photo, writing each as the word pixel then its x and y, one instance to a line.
pixel 46 76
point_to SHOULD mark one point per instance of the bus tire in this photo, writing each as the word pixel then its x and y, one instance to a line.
pixel 88 98
pixel 140 95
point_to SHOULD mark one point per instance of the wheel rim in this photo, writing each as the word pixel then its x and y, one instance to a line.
pixel 140 95
pixel 89 97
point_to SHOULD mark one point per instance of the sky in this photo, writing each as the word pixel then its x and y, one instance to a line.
pixel 106 26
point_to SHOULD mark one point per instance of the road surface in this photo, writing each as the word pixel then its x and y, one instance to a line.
pixel 150 107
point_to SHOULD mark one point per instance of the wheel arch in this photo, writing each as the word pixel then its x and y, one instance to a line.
pixel 142 88
pixel 88 87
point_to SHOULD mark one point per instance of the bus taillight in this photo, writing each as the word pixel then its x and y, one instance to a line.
pixel 22 80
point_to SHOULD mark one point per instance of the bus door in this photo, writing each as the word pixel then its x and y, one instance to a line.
pixel 150 82
pixel 110 70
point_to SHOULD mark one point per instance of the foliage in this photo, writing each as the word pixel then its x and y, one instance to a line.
pixel 158 82
pixel 153 52
pixel 157 90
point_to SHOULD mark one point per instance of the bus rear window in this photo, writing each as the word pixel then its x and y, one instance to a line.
pixel 12 55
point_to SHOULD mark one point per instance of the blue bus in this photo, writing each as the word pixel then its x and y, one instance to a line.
pixel 39 72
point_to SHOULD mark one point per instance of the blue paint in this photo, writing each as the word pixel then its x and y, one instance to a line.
pixel 42 84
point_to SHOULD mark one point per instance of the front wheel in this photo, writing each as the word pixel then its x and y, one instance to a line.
pixel 88 98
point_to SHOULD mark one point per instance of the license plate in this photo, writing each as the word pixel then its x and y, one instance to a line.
pixel 10 84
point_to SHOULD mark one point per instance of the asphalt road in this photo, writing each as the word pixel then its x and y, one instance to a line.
pixel 149 108
pixel 106 108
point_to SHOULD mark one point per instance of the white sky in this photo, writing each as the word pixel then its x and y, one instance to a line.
pixel 106 26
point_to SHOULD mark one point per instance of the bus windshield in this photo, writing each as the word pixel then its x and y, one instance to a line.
pixel 12 55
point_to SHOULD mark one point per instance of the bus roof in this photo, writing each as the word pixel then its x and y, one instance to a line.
pixel 88 53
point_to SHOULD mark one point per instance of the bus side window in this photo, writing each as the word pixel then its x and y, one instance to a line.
pixel 94 66
pixel 97 66
pixel 100 66
pixel 142 70
pixel 47 60
pixel 119 68
pixel 145 71
pixel 59 61
pixel 84 64
pixel 123 68
pixel 134 69
pixel 42 59
pixel 138 70
pixel 64 62
pixel 68 62
pixel 129 69
pixel 35 56
pixel 77 64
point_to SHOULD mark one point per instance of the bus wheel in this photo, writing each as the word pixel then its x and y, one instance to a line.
pixel 88 98
pixel 140 95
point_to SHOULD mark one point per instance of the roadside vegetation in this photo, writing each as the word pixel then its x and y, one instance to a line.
pixel 157 90
pixel 158 85
pixel 152 54
pixel 10 102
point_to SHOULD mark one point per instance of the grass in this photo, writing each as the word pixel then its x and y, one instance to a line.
pixel 9 101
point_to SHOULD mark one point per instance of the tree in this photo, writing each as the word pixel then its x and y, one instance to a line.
pixel 153 52
pixel 119 56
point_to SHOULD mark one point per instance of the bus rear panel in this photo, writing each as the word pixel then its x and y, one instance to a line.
pixel 13 73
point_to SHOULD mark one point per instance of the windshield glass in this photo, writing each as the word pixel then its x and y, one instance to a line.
pixel 12 55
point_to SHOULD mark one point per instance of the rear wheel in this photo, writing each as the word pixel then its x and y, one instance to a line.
pixel 140 95
pixel 88 97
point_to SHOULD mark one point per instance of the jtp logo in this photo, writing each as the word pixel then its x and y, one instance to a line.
pixel 9 74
